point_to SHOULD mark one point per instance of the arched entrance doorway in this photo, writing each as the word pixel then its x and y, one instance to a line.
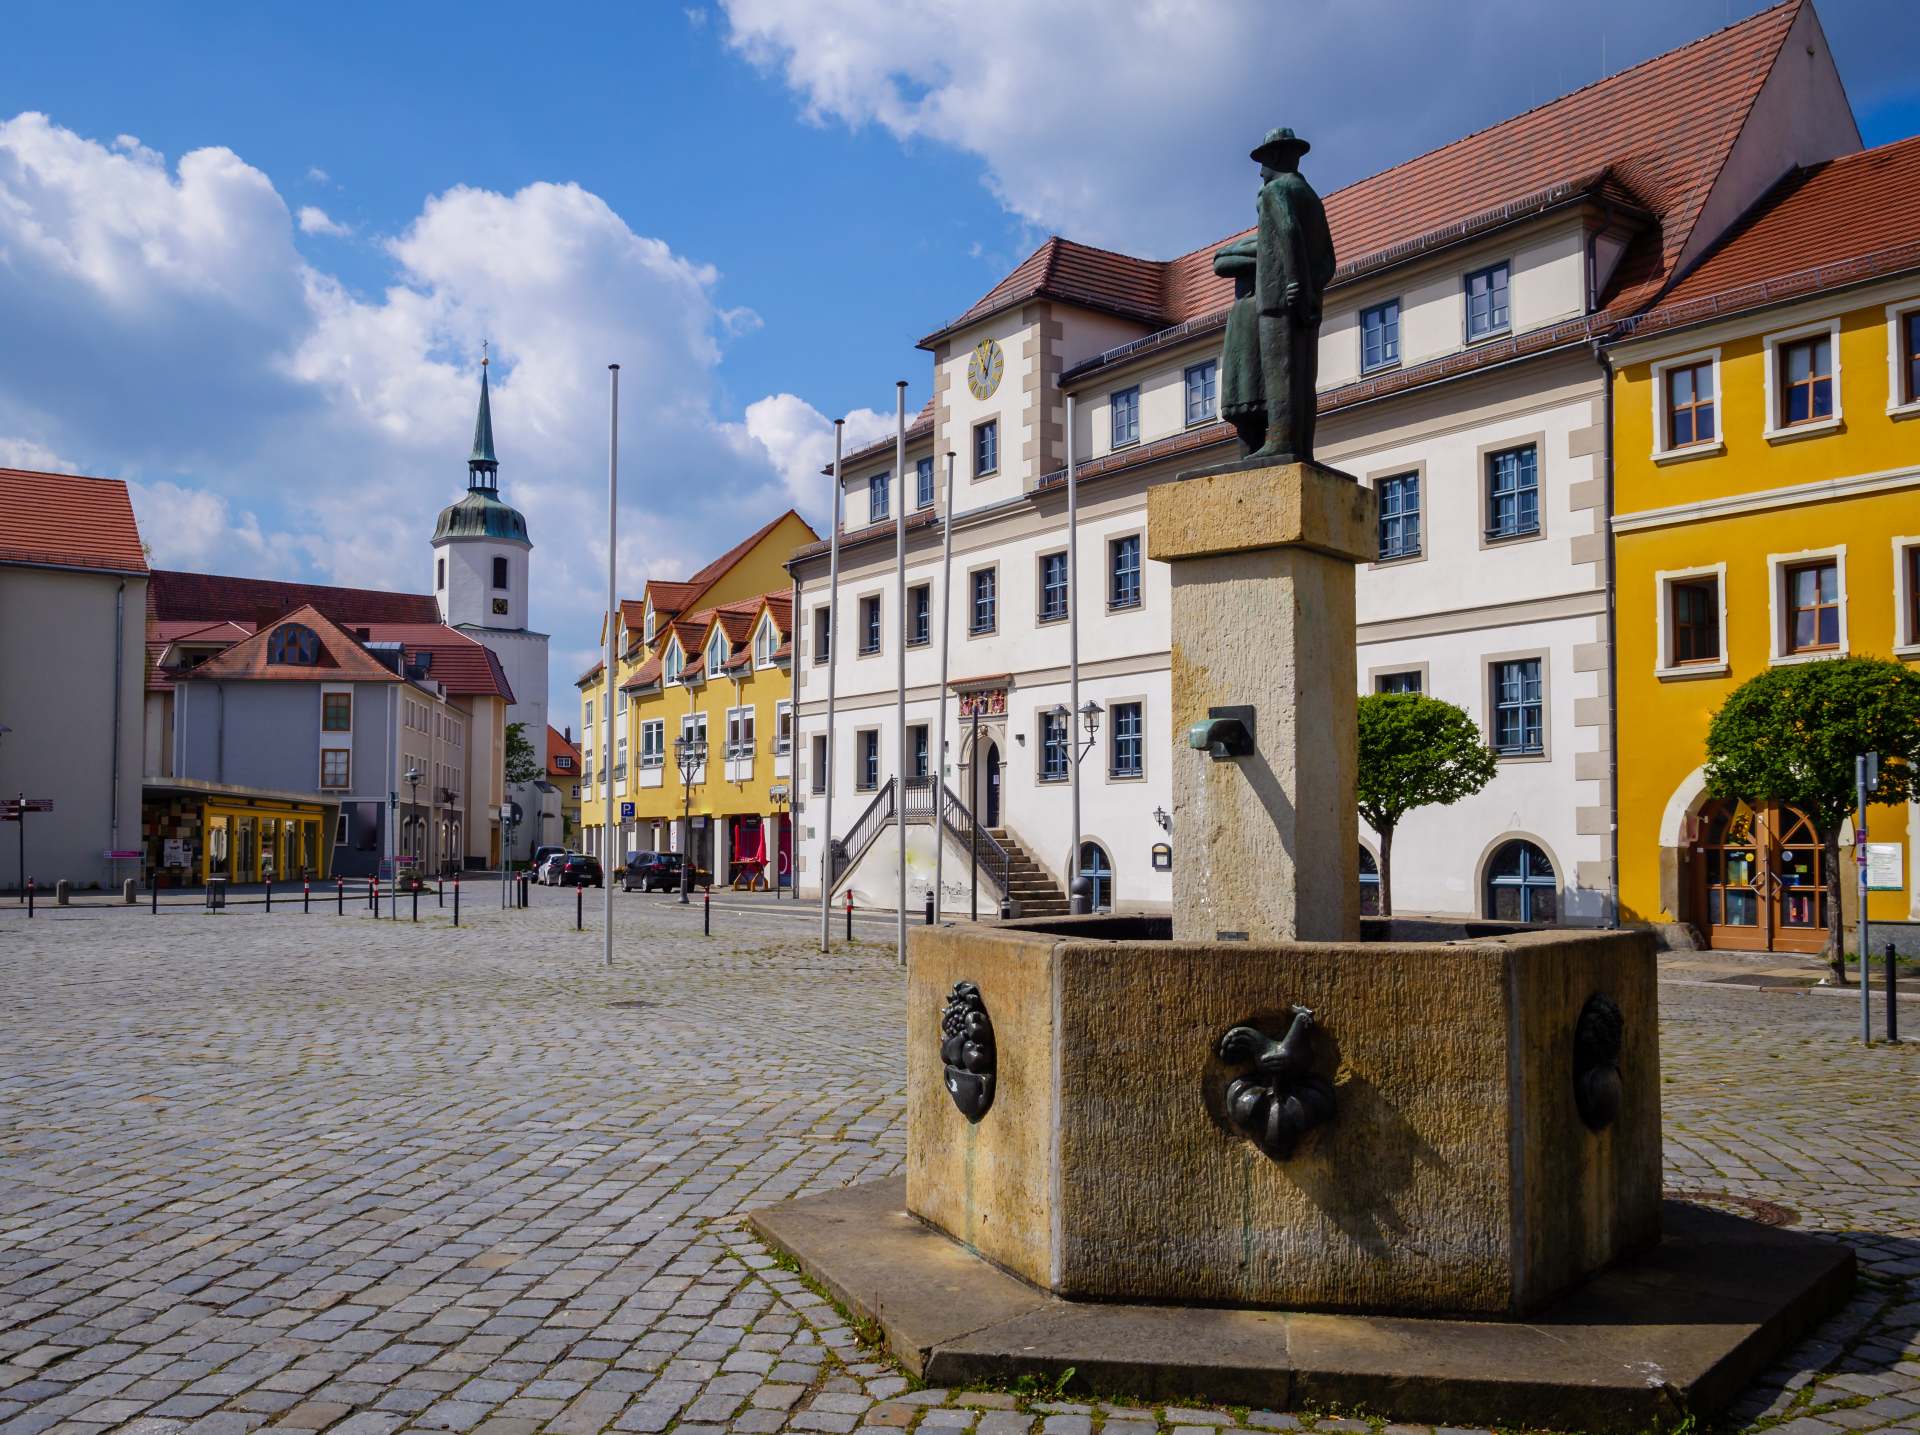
pixel 1097 868
pixel 1759 878
pixel 990 802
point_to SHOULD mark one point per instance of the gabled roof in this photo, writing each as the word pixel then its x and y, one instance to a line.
pixel 164 635
pixel 209 596
pixel 1660 132
pixel 342 659
pixel 1845 221
pixel 557 747
pixel 67 521
pixel 462 665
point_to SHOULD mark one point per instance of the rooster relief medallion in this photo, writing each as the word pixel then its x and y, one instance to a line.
pixel 1280 1097
pixel 967 1051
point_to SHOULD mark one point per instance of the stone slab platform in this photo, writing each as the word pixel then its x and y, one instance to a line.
pixel 1678 1331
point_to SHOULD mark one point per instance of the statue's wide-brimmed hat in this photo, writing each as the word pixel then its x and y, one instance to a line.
pixel 1280 147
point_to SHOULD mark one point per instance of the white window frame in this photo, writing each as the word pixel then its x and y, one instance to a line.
pixel 1906 641
pixel 1662 453
pixel 718 651
pixel 323 785
pixel 817 777
pixel 783 722
pixel 1778 614
pixel 653 754
pixel 1186 391
pixel 1772 431
pixel 1896 406
pixel 673 663
pixel 766 639
pixel 647 633
pixel 694 725
pixel 1663 663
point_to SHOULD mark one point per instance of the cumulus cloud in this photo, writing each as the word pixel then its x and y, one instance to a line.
pixel 315 220
pixel 163 327
pixel 797 440
pixel 1128 125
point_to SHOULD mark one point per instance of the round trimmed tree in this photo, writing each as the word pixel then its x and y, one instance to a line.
pixel 1791 735
pixel 1415 751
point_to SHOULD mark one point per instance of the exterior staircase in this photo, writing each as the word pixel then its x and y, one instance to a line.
pixel 1037 894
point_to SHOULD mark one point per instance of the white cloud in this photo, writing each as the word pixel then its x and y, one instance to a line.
pixel 1128 125
pixel 317 175
pixel 315 220
pixel 25 453
pixel 163 327
pixel 797 440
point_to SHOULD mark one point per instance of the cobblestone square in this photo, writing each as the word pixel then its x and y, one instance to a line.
pixel 318 1172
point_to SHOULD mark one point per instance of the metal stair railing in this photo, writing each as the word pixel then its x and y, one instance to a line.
pixel 874 821
pixel 960 822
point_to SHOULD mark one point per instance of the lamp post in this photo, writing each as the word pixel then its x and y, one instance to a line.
pixel 690 753
pixel 1078 888
pixel 413 812
pixel 779 793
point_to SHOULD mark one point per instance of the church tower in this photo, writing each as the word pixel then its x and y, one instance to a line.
pixel 480 561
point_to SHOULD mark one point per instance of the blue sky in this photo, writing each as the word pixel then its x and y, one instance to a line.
pixel 249 253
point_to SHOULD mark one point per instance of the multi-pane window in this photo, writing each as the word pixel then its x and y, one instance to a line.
pixel 336 712
pixel 986 448
pixel 917 745
pixel 1693 619
pixel 818 767
pixel 1123 572
pixel 1513 492
pixel 499 572
pixel 1125 407
pixel 783 727
pixel 923 483
pixel 1380 335
pixel 1813 606
pixel 1690 416
pixel 1487 301
pixel 717 651
pixel 653 742
pixel 869 625
pixel 1053 586
pixel 919 614
pixel 1399 497
pixel 1403 682
pixel 1203 391
pixel 1519 713
pixel 984 613
pixel 868 742
pixel 877 497
pixel 674 663
pixel 822 633
pixel 1910 356
pixel 740 735
pixel 693 731
pixel 765 642
pixel 1053 747
pixel 1806 380
pixel 335 765
pixel 1129 746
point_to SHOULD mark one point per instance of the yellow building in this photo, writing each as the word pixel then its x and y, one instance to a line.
pixel 1766 511
pixel 707 661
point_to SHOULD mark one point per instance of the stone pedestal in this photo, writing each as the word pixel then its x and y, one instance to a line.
pixel 1265 846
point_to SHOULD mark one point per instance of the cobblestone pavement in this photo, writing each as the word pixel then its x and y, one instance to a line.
pixel 321 1173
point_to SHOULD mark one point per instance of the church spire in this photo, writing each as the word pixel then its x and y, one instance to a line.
pixel 483 469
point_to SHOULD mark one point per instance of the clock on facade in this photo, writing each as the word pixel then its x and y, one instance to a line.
pixel 500 606
pixel 984 368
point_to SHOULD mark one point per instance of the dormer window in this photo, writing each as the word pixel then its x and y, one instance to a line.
pixel 877 507
pixel 1486 296
pixel 717 652
pixel 764 643
pixel 648 630
pixel 293 644
pixel 674 662
pixel 1380 336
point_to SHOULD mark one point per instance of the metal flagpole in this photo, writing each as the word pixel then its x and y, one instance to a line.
pixel 899 487
pixel 833 661
pixel 613 625
pixel 1076 902
pixel 939 615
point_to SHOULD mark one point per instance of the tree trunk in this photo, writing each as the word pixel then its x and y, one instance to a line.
pixel 1836 919
pixel 1386 871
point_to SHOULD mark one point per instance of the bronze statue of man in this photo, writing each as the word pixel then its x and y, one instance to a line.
pixel 1293 260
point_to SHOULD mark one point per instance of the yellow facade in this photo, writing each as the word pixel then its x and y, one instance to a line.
pixel 1756 519
pixel 735 804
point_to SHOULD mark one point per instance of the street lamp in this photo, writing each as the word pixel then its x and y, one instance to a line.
pixel 779 793
pixel 1079 889
pixel 413 813
pixel 690 753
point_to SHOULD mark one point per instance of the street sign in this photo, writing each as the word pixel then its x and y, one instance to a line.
pixel 14 806
pixel 1883 866
pixel 626 811
pixel 506 812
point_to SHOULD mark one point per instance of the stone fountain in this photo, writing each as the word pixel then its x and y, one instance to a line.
pixel 1259 1154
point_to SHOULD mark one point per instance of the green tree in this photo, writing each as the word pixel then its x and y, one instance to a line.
pixel 1415 751
pixel 522 765
pixel 1791 734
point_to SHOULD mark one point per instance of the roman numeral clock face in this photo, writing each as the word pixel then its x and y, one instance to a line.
pixel 984 368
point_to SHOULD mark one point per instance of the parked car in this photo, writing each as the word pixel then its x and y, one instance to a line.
pixel 540 856
pixel 577 870
pixel 547 873
pixel 660 872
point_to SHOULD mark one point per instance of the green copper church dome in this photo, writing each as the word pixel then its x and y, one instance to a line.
pixel 481 514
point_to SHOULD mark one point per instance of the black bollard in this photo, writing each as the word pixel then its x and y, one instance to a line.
pixel 340 896
pixel 440 891
pixel 706 913
pixel 306 895
pixel 929 906
pixel 416 901
pixel 29 899
pixel 849 914
pixel 269 898
pixel 1893 998
pixel 155 891
pixel 579 907
pixel 456 901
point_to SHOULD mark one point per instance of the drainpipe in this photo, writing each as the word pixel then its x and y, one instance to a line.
pixel 119 666
pixel 1605 361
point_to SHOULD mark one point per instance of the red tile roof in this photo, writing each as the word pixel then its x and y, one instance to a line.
pixel 464 666
pixel 1658 132
pixel 1850 219
pixel 164 634
pixel 208 596
pixel 342 659
pixel 558 747
pixel 68 521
